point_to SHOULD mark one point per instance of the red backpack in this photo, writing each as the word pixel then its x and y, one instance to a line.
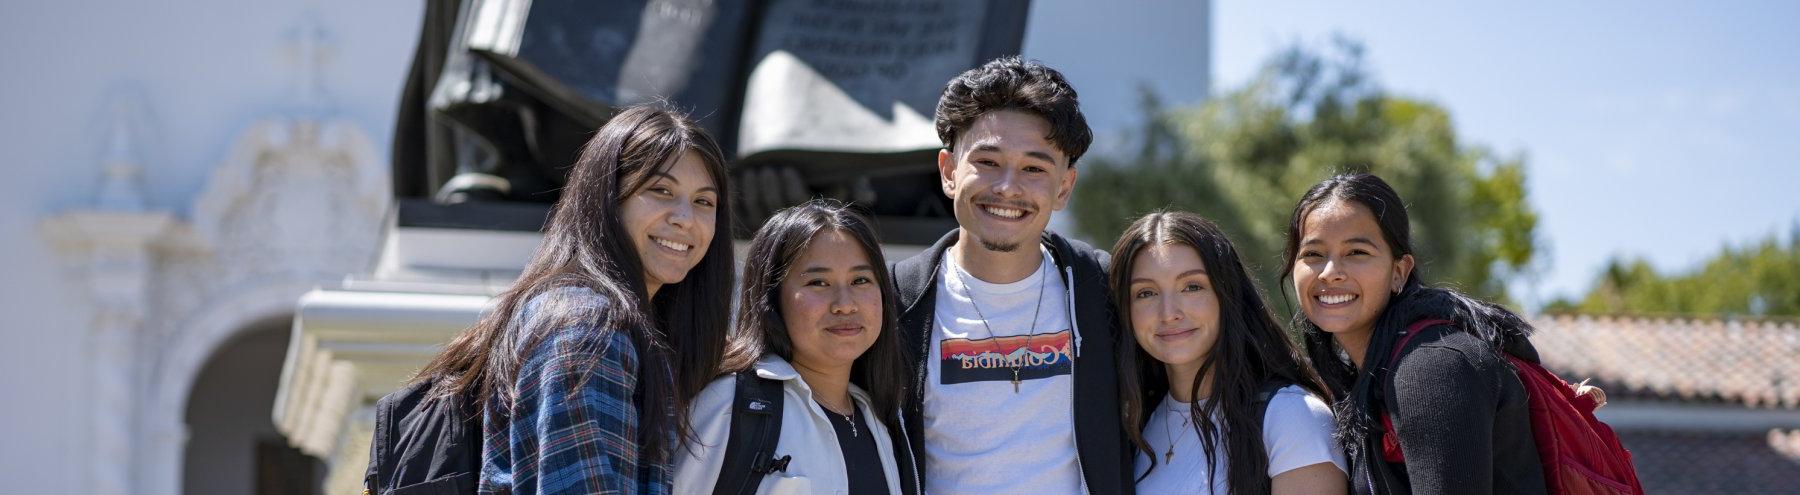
pixel 1579 453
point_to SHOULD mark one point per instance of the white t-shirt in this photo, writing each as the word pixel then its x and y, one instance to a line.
pixel 984 433
pixel 1296 432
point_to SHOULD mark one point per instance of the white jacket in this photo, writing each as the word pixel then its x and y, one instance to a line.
pixel 817 465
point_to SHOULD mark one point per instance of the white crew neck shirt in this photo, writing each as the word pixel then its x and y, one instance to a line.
pixel 983 435
pixel 1296 433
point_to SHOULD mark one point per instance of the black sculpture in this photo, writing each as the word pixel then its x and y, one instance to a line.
pixel 809 97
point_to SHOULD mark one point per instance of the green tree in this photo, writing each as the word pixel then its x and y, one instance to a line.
pixel 1760 278
pixel 1244 158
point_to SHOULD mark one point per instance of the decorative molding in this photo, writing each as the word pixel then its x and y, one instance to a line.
pixel 296 204
pixel 180 361
pixel 122 187
pixel 351 347
pixel 293 199
pixel 308 46
pixel 323 182
pixel 107 251
pixel 108 254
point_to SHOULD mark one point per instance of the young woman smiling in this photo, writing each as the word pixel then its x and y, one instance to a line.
pixel 1206 355
pixel 815 311
pixel 1443 414
pixel 584 366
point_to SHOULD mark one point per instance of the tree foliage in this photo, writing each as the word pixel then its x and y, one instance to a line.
pixel 1760 278
pixel 1244 158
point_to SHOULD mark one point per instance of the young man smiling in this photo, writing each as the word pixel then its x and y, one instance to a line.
pixel 1009 324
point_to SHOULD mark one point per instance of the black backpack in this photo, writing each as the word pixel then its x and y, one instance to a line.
pixel 755 429
pixel 423 446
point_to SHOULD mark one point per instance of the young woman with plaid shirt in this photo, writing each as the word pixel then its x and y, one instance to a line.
pixel 584 368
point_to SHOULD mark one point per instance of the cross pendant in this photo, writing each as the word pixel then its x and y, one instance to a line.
pixel 1015 380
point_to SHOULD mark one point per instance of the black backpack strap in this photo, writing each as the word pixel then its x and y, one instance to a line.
pixel 1260 403
pixel 378 447
pixel 1265 395
pixel 755 429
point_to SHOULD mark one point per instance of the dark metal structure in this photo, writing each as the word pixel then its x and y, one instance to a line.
pixel 809 97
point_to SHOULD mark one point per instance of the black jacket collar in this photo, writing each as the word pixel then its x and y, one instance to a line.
pixel 916 277
pixel 1105 458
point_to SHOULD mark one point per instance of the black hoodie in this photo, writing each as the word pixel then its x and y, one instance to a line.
pixel 1458 409
pixel 1100 441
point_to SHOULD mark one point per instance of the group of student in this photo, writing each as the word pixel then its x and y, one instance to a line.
pixel 1004 358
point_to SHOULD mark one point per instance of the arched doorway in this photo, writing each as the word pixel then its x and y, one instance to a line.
pixel 233 446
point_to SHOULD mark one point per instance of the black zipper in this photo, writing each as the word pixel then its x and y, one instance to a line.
pixel 919 397
pixel 911 456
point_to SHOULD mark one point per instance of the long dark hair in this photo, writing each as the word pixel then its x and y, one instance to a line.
pixel 760 328
pixel 1499 327
pixel 1251 350
pixel 586 246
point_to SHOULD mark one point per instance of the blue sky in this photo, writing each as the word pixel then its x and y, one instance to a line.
pixel 1657 129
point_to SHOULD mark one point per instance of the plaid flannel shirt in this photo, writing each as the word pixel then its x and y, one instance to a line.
pixel 574 429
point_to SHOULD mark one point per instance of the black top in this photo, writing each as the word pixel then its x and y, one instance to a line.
pixel 1462 419
pixel 862 462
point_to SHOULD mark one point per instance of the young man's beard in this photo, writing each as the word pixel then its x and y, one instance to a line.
pixel 998 247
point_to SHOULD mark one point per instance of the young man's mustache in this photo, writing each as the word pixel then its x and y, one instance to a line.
pixel 1002 202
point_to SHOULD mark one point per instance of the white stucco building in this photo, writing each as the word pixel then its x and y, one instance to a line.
pixel 180 175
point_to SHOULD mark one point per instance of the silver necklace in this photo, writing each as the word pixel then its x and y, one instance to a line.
pixel 1030 334
pixel 847 417
pixel 1169 433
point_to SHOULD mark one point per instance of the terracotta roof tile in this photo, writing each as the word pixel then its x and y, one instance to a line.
pixel 1753 363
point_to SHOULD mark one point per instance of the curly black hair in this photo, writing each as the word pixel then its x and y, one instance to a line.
pixel 1011 83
